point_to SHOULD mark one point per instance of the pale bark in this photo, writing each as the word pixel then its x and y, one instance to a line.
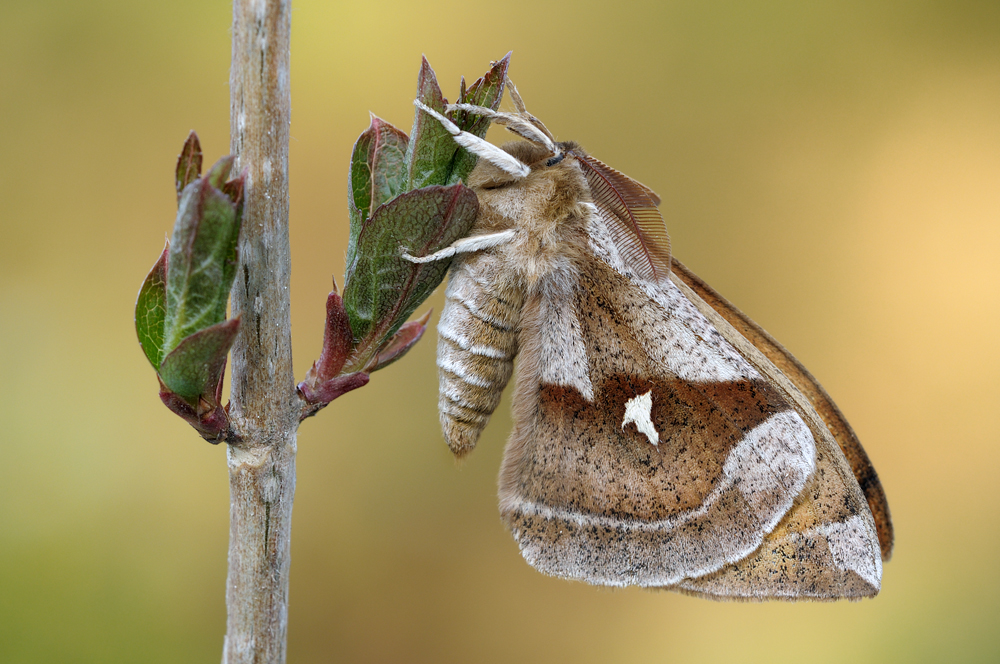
pixel 264 407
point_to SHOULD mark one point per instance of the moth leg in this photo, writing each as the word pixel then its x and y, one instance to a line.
pixel 514 123
pixel 477 146
pixel 464 245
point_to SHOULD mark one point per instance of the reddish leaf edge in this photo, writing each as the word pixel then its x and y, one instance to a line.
pixel 400 343
pixel 210 421
pixel 338 341
pixel 317 392
pixel 205 413
pixel 188 164
pixel 318 397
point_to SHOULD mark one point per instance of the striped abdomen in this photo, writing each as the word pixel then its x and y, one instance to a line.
pixel 477 342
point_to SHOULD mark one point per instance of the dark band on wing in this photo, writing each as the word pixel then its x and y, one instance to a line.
pixel 699 424
pixel 601 503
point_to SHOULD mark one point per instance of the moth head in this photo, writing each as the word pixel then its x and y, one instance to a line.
pixel 504 174
pixel 536 158
pixel 549 196
pixel 537 165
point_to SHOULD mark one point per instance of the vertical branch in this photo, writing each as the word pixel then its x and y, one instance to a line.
pixel 264 406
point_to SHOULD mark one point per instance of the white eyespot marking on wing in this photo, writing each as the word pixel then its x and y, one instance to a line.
pixel 637 411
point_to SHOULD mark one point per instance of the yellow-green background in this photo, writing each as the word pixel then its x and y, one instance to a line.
pixel 832 167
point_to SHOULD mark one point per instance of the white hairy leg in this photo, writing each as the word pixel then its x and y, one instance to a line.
pixel 464 245
pixel 478 146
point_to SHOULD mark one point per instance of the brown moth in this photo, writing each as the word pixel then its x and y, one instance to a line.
pixel 661 438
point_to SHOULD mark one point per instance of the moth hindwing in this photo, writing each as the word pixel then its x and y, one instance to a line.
pixel 660 438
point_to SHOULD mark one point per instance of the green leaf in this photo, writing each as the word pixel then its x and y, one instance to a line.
pixel 433 157
pixel 359 183
pixel 378 173
pixel 188 163
pixel 193 370
pixel 151 310
pixel 384 288
pixel 387 161
pixel 202 262
pixel 486 91
pixel 431 149
pixel 217 175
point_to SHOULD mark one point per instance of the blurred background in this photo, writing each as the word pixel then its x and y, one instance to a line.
pixel 831 167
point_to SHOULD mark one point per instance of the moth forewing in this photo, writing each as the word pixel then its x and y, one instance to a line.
pixel 809 387
pixel 653 444
pixel 827 546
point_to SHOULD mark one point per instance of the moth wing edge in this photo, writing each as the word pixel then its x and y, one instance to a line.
pixel 803 382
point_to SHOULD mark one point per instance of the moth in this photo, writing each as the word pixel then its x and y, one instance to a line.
pixel 661 438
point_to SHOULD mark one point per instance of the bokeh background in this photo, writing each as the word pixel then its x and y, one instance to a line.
pixel 832 167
